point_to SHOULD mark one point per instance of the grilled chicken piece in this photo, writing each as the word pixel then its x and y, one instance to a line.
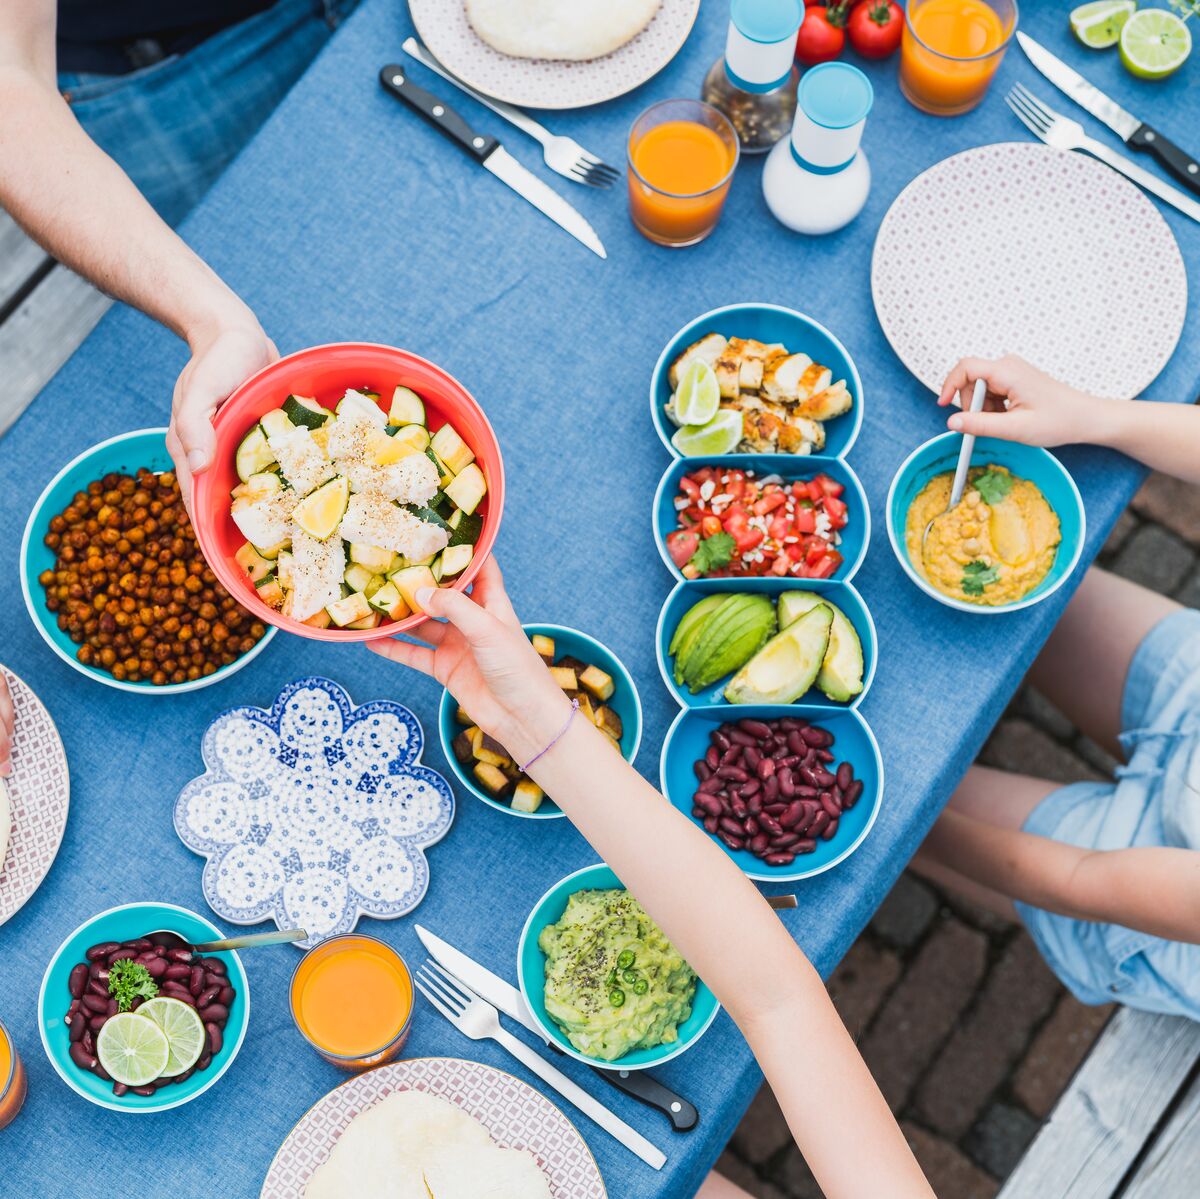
pixel 708 349
pixel 771 428
pixel 801 436
pixel 794 377
pixel 728 369
pixel 825 405
pixel 752 356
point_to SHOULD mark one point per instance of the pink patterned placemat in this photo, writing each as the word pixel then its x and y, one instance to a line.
pixel 39 792
pixel 515 1115
pixel 541 83
pixel 1020 248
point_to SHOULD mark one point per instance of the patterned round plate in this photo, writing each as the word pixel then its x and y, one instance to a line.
pixel 39 791
pixel 542 83
pixel 314 813
pixel 515 1114
pixel 1019 248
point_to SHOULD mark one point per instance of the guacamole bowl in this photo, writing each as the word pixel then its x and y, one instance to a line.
pixel 531 973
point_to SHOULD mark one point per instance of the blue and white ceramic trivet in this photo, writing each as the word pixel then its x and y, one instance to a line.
pixel 315 812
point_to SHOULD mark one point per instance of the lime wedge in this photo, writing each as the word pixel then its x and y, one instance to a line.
pixel 698 396
pixel 720 436
pixel 182 1027
pixel 1154 43
pixel 1099 24
pixel 132 1049
pixel 320 513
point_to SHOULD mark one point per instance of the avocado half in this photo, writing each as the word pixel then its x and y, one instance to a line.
pixel 841 673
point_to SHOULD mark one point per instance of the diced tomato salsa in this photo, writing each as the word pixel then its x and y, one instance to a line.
pixel 777 527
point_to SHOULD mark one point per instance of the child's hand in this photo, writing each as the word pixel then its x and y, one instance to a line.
pixel 1023 403
pixel 483 656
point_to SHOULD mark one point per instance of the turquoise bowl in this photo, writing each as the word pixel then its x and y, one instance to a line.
pixel 531 973
pixel 687 741
pixel 1040 467
pixel 768 323
pixel 625 702
pixel 856 536
pixel 686 594
pixel 124 454
pixel 123 924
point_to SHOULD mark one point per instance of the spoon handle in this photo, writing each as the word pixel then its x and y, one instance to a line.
pixel 968 445
pixel 252 940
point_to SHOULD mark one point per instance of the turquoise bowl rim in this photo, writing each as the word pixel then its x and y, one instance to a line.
pixel 982 446
pixel 599 875
pixel 819 463
pixel 658 416
pixel 448 726
pixel 42 617
pixel 179 1093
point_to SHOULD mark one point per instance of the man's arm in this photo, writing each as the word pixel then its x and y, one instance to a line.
pixel 78 203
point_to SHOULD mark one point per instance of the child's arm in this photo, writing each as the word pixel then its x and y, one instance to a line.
pixel 1025 404
pixel 705 905
pixel 1154 889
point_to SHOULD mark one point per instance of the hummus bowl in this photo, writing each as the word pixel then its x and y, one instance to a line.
pixel 1030 463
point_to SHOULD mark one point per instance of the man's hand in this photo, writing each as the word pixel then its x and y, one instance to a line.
pixel 220 364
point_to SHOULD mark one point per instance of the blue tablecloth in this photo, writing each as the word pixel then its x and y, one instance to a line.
pixel 348 218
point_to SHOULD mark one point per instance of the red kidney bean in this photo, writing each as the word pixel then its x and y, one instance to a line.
pixel 100 1072
pixel 845 775
pixel 712 785
pixel 113 1008
pixel 824 779
pixel 698 813
pixel 830 805
pixel 147 1090
pixel 119 1089
pixel 77 980
pixel 701 769
pixel 181 993
pixel 81 1057
pixel 771 789
pixel 813 736
pixel 734 774
pixel 776 809
pixel 788 762
pixel 147 956
pixel 787 784
pixel 765 768
pixel 95 987
pixel 709 803
pixel 809 775
pixel 790 816
pixel 782 858
pixel 756 728
pixel 710 824
pixel 768 822
pixel 732 841
pixel 180 955
pixel 217 1013
pixel 140 944
pixel 156 967
pixel 119 955
pixel 196 982
pixel 96 1003
pixel 750 826
pixel 752 757
pixel 712 757
pixel 754 803
pixel 737 737
pixel 792 723
pixel 731 826
pixel 823 755
pixel 738 807
pixel 850 795
pixel 96 1022
pixel 759 844
pixel 796 743
pixel 732 756
pixel 830 831
pixel 77 1026
pixel 88 1040
pixel 720 740
pixel 806 846
pixel 177 971
pixel 819 821
pixel 102 950
pixel 751 788
pixel 227 996
pixel 205 1060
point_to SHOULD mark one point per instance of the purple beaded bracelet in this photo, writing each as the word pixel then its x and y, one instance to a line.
pixel 557 739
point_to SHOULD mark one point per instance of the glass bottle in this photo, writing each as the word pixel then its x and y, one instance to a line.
pixel 754 83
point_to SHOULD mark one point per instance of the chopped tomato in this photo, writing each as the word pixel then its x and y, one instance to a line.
pixel 837 511
pixel 710 526
pixel 829 486
pixel 806 520
pixel 681 546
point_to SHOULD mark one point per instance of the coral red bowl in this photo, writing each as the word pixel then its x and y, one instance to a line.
pixel 325 373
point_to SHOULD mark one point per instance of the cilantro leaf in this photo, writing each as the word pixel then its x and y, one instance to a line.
pixel 129 980
pixel 993 486
pixel 713 553
pixel 977 576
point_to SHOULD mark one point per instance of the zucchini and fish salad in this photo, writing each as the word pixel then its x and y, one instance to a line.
pixel 348 513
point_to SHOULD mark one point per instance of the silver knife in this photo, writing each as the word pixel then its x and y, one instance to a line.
pixel 508 999
pixel 1137 135
pixel 491 155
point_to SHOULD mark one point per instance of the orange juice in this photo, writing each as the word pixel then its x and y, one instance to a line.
pixel 681 159
pixel 12 1079
pixel 950 51
pixel 352 997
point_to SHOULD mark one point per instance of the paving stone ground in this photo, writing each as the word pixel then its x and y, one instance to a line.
pixel 970 1036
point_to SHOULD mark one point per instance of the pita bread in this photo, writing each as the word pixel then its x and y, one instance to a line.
pixel 575 30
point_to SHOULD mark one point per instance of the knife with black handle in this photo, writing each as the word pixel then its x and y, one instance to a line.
pixel 1181 164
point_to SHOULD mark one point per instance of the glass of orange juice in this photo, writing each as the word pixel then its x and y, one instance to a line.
pixel 352 999
pixel 12 1079
pixel 682 154
pixel 950 51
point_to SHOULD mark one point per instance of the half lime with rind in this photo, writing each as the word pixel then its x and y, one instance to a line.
pixel 1098 24
pixel 132 1049
pixel 698 396
pixel 183 1029
pixel 1154 43
pixel 720 436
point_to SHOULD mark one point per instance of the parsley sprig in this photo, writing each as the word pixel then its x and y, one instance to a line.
pixel 713 553
pixel 129 980
pixel 993 486
pixel 977 576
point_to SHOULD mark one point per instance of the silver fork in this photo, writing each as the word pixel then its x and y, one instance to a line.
pixel 562 154
pixel 476 1018
pixel 1065 134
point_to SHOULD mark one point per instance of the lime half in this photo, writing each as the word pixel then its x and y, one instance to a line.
pixel 720 436
pixel 132 1049
pixel 1099 23
pixel 1154 43
pixel 698 396
pixel 183 1029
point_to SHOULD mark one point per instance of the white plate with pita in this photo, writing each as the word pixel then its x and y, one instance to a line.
pixel 440 1120
pixel 445 28
pixel 1055 257
pixel 38 793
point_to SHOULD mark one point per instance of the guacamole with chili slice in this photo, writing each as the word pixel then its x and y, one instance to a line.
pixel 614 983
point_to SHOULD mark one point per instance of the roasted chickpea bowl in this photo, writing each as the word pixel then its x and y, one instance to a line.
pixel 114 579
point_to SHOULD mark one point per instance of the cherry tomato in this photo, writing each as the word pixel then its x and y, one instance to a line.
pixel 681 545
pixel 874 28
pixel 822 35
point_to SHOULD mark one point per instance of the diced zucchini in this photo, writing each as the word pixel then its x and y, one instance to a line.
pixel 253 455
pixel 283 569
pixel 369 392
pixel 416 436
pixel 269 591
pixel 370 621
pixel 273 551
pixel 451 449
pixel 435 568
pixel 544 647
pixel 407 408
pixel 426 514
pixel 253 563
pixel 305 411
pixel 467 529
pixel 468 489
pixel 361 403
pixel 378 561
pixel 276 423
pixel 444 475
pixel 358 576
pixel 597 682
pixel 389 601
pixel 319 620
pixel 410 580
pixel 455 559
pixel 373 585
pixel 527 796
pixel 564 676
pixel 348 609
pixel 442 506
pixel 490 778
pixel 262 482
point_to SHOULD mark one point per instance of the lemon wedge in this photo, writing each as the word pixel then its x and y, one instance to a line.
pixel 320 513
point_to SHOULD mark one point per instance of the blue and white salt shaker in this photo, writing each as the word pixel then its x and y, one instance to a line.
pixel 817 180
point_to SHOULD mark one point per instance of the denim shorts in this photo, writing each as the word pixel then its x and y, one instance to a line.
pixel 175 125
pixel 1154 800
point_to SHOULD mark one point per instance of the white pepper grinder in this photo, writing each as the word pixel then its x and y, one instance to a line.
pixel 817 180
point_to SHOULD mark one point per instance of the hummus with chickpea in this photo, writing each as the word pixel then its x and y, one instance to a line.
pixel 994 547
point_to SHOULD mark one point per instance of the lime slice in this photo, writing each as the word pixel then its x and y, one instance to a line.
pixel 698 396
pixel 182 1027
pixel 132 1049
pixel 1154 43
pixel 320 514
pixel 720 436
pixel 1099 23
